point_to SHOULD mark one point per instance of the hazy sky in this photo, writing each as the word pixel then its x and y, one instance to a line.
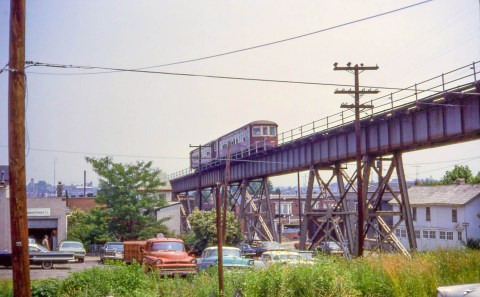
pixel 134 116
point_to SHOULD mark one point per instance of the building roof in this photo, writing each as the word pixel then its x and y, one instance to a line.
pixel 442 195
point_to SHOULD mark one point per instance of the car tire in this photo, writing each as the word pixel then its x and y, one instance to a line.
pixel 47 264
pixel 80 260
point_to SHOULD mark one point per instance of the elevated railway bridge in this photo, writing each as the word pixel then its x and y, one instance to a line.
pixel 440 111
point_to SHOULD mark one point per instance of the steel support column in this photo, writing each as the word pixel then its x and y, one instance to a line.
pixel 406 209
pixel 256 210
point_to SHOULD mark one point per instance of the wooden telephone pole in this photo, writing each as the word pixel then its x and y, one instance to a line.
pixel 16 151
pixel 358 135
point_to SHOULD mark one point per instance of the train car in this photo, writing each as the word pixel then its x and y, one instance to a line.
pixel 257 135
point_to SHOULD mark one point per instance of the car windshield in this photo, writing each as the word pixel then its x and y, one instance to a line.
pixel 71 245
pixel 168 246
pixel 116 246
pixel 286 257
pixel 226 253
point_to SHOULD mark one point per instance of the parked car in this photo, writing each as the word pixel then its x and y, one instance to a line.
pixel 39 255
pixel 263 246
pixel 247 250
pixel 283 257
pixel 74 247
pixel 232 258
pixel 112 251
pixel 329 247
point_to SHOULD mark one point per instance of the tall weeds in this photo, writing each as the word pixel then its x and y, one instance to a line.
pixel 379 275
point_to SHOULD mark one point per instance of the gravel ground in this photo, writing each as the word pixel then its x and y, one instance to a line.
pixel 58 270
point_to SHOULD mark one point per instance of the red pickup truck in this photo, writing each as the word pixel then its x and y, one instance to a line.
pixel 165 255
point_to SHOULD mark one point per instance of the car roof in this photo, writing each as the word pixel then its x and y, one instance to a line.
pixel 70 241
pixel 280 253
pixel 165 239
pixel 224 247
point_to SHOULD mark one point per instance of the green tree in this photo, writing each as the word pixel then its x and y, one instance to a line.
pixel 476 179
pixel 459 171
pixel 130 195
pixel 204 228
pixel 88 227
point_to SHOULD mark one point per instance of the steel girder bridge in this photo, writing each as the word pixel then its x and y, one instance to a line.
pixel 439 111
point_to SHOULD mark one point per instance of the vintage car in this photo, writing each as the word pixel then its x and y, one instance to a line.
pixel 74 247
pixel 262 246
pixel 112 251
pixel 283 257
pixel 247 250
pixel 166 256
pixel 232 258
pixel 39 255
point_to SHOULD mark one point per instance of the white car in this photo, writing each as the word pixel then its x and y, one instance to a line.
pixel 283 257
pixel 75 247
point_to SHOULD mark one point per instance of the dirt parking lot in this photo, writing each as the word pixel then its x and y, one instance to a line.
pixel 58 270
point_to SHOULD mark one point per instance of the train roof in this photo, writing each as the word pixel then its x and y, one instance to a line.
pixel 261 122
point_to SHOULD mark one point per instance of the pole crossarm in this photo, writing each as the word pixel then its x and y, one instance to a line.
pixel 356 69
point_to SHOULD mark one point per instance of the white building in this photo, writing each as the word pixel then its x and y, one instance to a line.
pixel 443 216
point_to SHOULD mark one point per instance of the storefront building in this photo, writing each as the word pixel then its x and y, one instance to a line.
pixel 46 216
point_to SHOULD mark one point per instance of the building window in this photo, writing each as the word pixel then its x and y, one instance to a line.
pixel 286 209
pixel 442 234
pixel 449 235
pixel 414 213
pixel 432 234
pixel 425 234
pixel 454 215
pixel 460 236
pixel 397 232
pixel 403 233
pixel 427 214
pixel 417 233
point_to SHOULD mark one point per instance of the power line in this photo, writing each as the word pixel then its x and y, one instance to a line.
pixel 66 66
pixel 291 38
pixel 269 43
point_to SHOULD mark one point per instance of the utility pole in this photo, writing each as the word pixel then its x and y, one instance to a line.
pixel 358 135
pixel 16 151
pixel 219 240
pixel 225 192
pixel 199 188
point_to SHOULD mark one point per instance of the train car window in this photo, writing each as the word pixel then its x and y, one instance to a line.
pixel 256 131
pixel 273 131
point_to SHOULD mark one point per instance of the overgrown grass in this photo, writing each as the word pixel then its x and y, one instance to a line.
pixel 379 275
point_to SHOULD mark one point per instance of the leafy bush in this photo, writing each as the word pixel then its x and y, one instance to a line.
pixel 46 288
pixel 473 244
pixel 6 288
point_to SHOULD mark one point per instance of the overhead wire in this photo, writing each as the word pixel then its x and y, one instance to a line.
pixel 265 44
pixel 67 66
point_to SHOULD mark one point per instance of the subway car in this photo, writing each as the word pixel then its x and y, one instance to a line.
pixel 255 136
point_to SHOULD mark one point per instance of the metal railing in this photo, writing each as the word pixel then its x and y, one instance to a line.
pixel 459 80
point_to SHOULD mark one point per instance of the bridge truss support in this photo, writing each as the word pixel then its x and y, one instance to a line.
pixel 251 199
pixel 331 216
